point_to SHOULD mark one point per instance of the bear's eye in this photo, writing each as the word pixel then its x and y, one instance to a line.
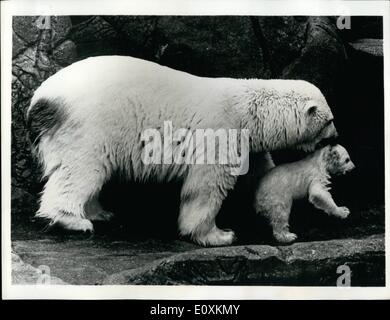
pixel 329 122
pixel 347 160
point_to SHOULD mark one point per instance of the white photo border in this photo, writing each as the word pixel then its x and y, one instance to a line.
pixel 176 7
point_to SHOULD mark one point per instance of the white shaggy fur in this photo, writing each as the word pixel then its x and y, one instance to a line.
pixel 108 101
pixel 306 178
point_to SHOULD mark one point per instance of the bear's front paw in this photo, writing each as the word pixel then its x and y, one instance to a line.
pixel 216 237
pixel 285 237
pixel 342 212
pixel 75 224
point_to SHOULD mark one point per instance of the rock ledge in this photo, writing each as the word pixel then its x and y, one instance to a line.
pixel 306 263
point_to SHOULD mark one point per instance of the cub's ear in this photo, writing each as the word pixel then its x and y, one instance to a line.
pixel 332 155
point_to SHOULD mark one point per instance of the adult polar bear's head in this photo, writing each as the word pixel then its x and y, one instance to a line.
pixel 286 114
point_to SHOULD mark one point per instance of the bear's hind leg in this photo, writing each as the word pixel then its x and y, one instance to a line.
pixel 66 193
pixel 202 195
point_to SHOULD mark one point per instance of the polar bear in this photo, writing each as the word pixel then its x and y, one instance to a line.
pixel 86 123
pixel 309 177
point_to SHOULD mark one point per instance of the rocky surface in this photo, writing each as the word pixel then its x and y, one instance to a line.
pixel 41 47
pixel 183 43
pixel 120 253
pixel 310 264
pixel 369 46
pixel 92 261
pixel 25 274
pixel 322 58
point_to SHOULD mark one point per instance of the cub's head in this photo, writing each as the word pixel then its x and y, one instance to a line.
pixel 337 160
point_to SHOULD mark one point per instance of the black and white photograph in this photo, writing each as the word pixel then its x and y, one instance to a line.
pixel 194 151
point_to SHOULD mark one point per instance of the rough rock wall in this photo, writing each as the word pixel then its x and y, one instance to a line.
pixel 41 47
pixel 239 47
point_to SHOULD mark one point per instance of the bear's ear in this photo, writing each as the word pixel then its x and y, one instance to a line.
pixel 311 110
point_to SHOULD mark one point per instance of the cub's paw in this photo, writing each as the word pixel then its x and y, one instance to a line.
pixel 285 237
pixel 342 212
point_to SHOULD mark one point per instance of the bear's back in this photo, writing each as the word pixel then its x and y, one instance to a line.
pixel 108 85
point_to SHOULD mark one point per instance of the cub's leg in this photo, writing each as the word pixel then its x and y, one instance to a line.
pixel 67 191
pixel 203 191
pixel 278 217
pixel 322 199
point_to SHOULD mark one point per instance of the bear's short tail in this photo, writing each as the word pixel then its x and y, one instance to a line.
pixel 43 117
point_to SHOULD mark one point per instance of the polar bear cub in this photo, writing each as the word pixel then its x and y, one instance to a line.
pixel 305 178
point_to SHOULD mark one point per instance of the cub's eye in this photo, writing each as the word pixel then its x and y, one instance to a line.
pixel 347 160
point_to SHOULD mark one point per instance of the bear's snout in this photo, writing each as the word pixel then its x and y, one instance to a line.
pixel 332 132
pixel 351 166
